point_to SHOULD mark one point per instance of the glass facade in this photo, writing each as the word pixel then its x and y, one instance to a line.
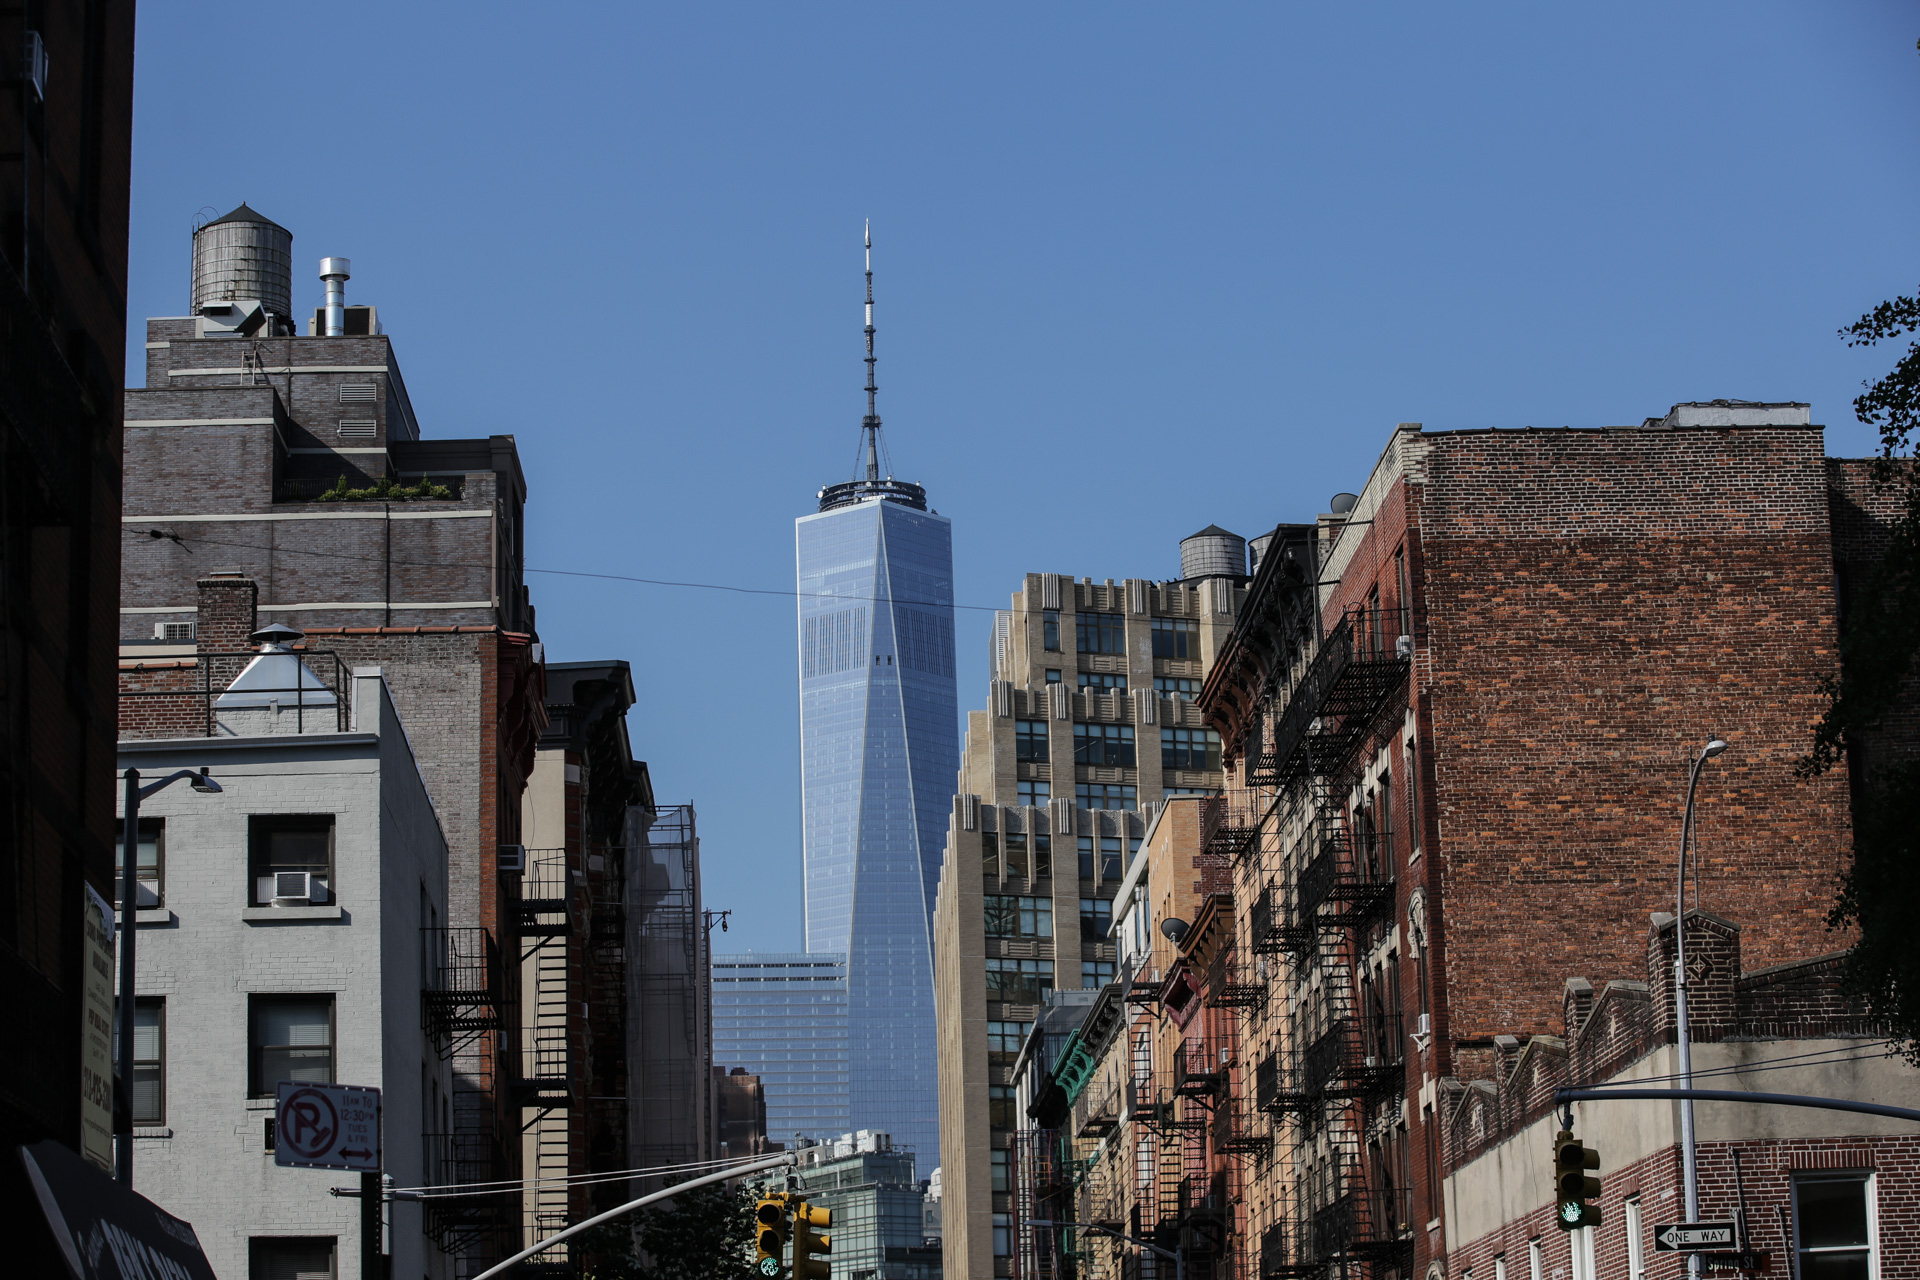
pixel 783 1016
pixel 879 748
pixel 879 1229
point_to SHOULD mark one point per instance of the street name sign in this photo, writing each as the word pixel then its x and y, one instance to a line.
pixel 1693 1237
pixel 326 1126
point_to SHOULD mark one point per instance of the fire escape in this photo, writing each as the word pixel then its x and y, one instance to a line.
pixel 463 1011
pixel 1340 1061
pixel 546 918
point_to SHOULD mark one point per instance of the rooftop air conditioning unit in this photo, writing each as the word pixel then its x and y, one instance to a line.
pixel 175 630
pixel 292 886
pixel 513 859
pixel 1403 647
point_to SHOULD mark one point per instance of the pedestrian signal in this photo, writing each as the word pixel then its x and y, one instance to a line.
pixel 1572 1188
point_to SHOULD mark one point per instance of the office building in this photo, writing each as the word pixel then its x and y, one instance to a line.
pixel 1091 727
pixel 293 927
pixel 68 117
pixel 284 474
pixel 878 1209
pixel 878 749
pixel 782 1017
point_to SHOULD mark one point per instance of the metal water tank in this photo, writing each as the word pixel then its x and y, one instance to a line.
pixel 1258 546
pixel 243 255
pixel 1213 553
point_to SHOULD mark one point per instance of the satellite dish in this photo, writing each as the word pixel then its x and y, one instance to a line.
pixel 1344 503
pixel 1175 928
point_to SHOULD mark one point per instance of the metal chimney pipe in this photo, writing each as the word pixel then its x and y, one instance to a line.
pixel 336 272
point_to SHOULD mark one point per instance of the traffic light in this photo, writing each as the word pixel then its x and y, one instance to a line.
pixel 769 1235
pixel 1572 1187
pixel 806 1244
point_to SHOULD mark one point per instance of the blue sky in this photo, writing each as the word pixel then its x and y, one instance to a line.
pixel 1140 268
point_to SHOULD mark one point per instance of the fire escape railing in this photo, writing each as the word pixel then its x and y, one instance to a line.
pixel 1349 681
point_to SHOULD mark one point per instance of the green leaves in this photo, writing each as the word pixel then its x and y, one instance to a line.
pixel 385 491
pixel 703 1234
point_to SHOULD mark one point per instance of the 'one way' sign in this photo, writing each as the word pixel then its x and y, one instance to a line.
pixel 1691 1237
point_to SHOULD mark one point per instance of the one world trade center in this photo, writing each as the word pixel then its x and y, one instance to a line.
pixel 879 747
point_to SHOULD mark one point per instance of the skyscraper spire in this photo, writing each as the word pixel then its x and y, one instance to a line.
pixel 871 423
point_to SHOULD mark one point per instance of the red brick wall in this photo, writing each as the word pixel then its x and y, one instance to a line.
pixel 1594 604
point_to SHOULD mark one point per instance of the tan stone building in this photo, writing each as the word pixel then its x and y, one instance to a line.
pixel 1091 727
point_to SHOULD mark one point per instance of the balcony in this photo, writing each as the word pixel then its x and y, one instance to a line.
pixel 1358 668
pixel 544 907
pixel 1199 1068
pixel 458 1222
pixel 1356 1058
pixel 1366 1224
pixel 1274 930
pixel 1240 1129
pixel 1234 984
pixel 463 1000
pixel 1229 826
pixel 1097 1112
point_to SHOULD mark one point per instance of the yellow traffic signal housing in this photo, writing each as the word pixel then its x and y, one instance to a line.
pixel 769 1235
pixel 806 1266
pixel 1572 1188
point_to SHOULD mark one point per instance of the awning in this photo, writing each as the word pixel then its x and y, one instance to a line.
pixel 105 1231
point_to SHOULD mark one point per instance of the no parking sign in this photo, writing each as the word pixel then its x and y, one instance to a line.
pixel 326 1126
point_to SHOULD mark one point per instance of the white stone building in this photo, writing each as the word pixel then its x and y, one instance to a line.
pixel 238 988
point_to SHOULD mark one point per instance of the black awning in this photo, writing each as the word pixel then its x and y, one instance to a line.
pixel 105 1231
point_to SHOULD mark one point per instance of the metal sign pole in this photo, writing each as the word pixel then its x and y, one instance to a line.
pixel 371 1204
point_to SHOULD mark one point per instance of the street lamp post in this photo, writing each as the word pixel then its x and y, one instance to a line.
pixel 129 905
pixel 1179 1263
pixel 1689 1166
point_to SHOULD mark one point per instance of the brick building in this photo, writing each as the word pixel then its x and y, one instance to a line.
pixel 63 288
pixel 1457 711
pixel 273 476
pixel 1091 726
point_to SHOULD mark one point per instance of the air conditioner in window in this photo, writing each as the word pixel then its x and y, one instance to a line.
pixel 174 630
pixel 513 859
pixel 1423 1025
pixel 1403 647
pixel 292 887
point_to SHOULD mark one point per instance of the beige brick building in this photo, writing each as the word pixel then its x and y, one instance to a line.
pixel 1091 727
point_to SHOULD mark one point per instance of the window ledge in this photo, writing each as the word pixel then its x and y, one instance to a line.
pixel 290 915
pixel 261 1104
pixel 152 1131
pixel 153 915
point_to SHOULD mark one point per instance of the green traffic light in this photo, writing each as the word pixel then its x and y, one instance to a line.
pixel 770 1267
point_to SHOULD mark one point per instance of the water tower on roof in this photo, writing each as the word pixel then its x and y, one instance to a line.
pixel 243 257
pixel 1213 553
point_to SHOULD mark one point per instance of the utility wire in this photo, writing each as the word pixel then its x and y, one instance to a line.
pixel 1813 1058
pixel 576 1178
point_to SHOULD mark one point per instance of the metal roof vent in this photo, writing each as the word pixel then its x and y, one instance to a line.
pixel 277 676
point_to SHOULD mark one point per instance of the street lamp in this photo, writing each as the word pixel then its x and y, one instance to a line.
pixel 1179 1263
pixel 129 902
pixel 1688 1164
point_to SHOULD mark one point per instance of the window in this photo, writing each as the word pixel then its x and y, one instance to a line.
pixel 1106 795
pixel 1580 1242
pixel 1003 1042
pixel 1019 917
pixel 1110 868
pixel 1100 633
pixel 1053 675
pixel 290 1258
pixel 1500 1267
pixel 1042 855
pixel 1536 1262
pixel 1014 845
pixel 149 1059
pixel 1019 981
pixel 1430 1133
pixel 990 853
pixel 1636 1249
pixel 1174 793
pixel 1110 745
pixel 1413 798
pixel 1185 686
pixel 1000 1180
pixel 292 1039
pixel 1096 917
pixel 149 864
pixel 1189 749
pixel 1177 638
pixel 1405 598
pixel 1102 680
pixel 1050 630
pixel 1095 973
pixel 1000 1106
pixel 1833 1227
pixel 291 843
pixel 1003 1235
pixel 1030 741
pixel 1034 793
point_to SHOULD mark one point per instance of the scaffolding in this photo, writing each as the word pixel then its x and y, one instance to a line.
pixel 670 1036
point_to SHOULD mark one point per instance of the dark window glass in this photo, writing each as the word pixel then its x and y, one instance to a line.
pixel 1053 675
pixel 1003 1042
pixel 149 1059
pixel 1189 749
pixel 292 1039
pixel 1830 1219
pixel 291 843
pixel 1185 686
pixel 1096 917
pixel 1100 633
pixel 1109 853
pixel 1030 741
pixel 1034 793
pixel 1042 855
pixel 1050 630
pixel 990 853
pixel 1107 795
pixel 150 848
pixel 1110 745
pixel 1176 638
pixel 1019 916
pixel 1102 680
pixel 1011 981
pixel 290 1258
pixel 1096 973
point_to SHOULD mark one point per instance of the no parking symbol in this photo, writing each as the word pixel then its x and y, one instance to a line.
pixel 326 1126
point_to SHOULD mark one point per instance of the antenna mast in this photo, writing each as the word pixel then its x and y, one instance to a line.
pixel 871 423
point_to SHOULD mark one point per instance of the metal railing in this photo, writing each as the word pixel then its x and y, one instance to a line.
pixel 463 998
pixel 202 684
pixel 1350 679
